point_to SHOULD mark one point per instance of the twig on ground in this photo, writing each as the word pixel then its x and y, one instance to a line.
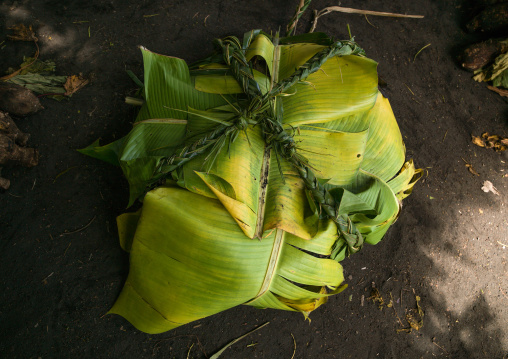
pixel 47 277
pixel 294 343
pixel 327 10
pixel 439 346
pixel 445 135
pixel 421 51
pixel 218 354
pixel 366 18
pixel 67 249
pixel 409 89
pixel 502 92
pixel 188 353
pixel 80 229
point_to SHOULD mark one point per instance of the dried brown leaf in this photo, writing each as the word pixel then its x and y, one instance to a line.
pixel 74 83
pixel 478 141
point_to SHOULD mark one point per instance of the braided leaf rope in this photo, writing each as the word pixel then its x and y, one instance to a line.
pixel 261 110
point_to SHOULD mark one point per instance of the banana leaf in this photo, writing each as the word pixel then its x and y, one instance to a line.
pixel 260 168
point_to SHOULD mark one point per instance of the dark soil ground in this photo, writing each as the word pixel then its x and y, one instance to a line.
pixel 58 278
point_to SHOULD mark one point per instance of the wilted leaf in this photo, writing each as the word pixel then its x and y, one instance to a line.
pixel 489 187
pixel 31 65
pixel 74 83
pixel 22 33
pixel 42 84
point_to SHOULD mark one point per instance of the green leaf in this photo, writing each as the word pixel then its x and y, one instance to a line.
pixel 43 84
pixel 108 153
pixel 252 227
pixel 168 86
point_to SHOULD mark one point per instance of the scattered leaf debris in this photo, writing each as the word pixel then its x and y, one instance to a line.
pixel 487 140
pixel 470 168
pixel 376 297
pixel 489 187
pixel 414 318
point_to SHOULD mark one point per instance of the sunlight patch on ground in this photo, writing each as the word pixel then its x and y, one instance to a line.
pixel 15 14
pixel 470 274
pixel 54 40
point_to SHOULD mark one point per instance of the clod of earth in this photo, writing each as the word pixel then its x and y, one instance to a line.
pixel 479 55
pixel 17 100
pixel 4 182
pixel 9 129
pixel 491 19
pixel 11 152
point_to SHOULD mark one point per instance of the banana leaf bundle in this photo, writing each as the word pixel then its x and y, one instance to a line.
pixel 260 168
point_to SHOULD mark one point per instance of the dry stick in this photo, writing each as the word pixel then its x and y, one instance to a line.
pixel 439 346
pixel 216 355
pixel 294 342
pixel 347 10
pixel 188 353
pixel 397 315
pixel 366 18
pixel 67 249
pixel 445 135
pixel 292 25
pixel 499 91
pixel 421 51
pixel 81 229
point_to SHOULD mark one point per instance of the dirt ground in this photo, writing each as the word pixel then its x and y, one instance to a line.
pixel 62 267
